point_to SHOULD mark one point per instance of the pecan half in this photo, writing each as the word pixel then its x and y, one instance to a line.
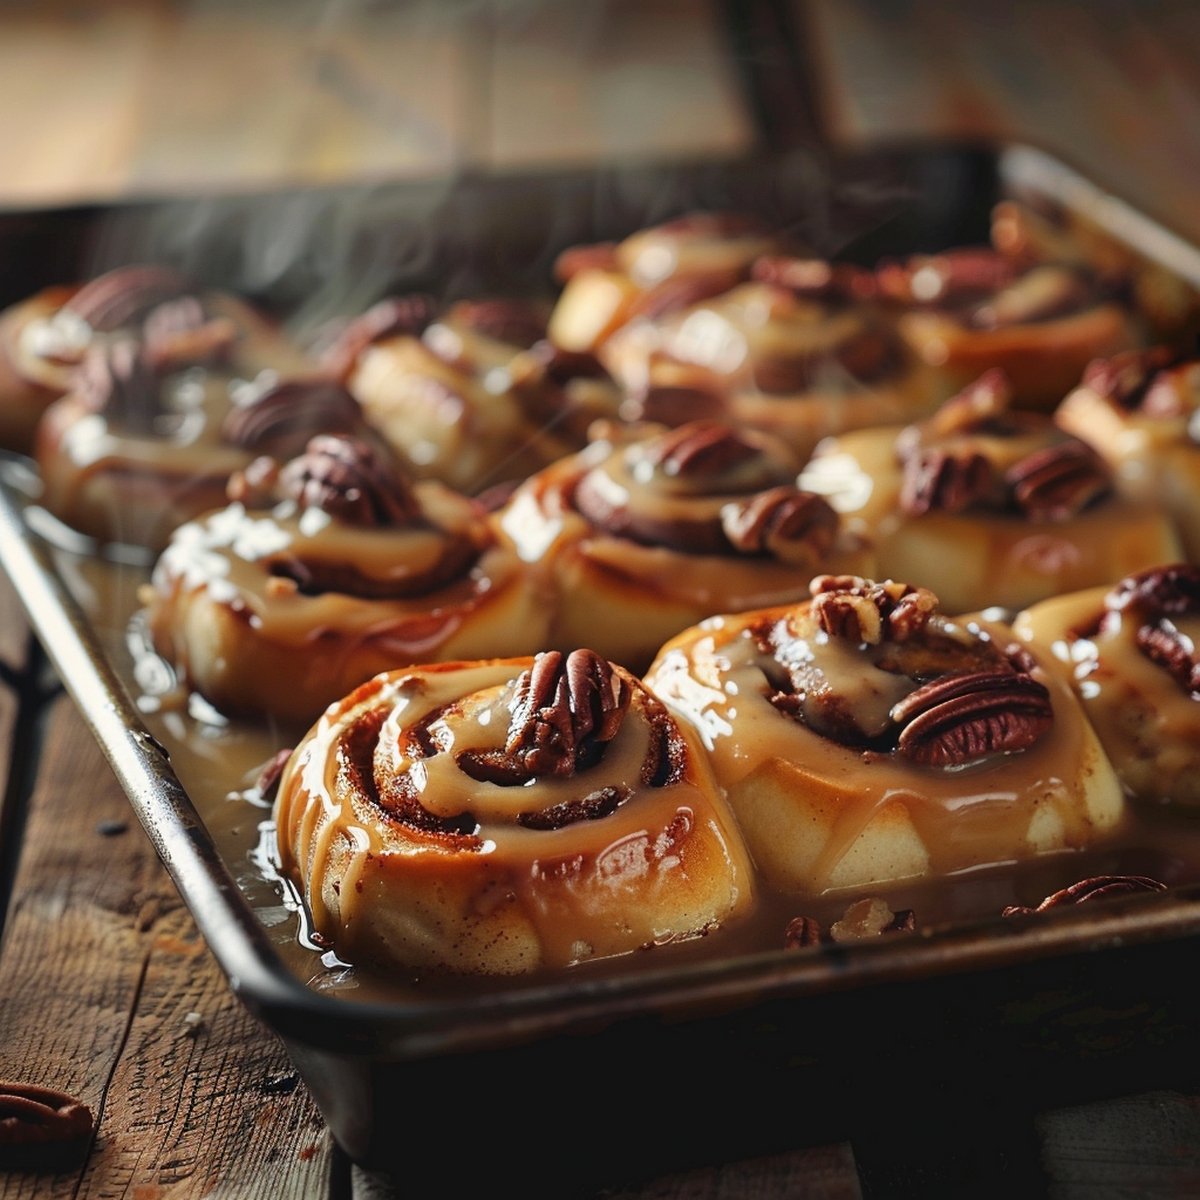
pixel 861 610
pixel 32 1116
pixel 1059 481
pixel 1098 887
pixel 941 280
pixel 784 522
pixel 1172 591
pixel 1126 378
pixel 958 719
pixel 121 298
pixel 350 479
pixel 678 292
pixel 700 449
pixel 1164 644
pixel 279 419
pixel 116 380
pixel 565 711
pixel 979 406
pixel 945 481
pixel 803 931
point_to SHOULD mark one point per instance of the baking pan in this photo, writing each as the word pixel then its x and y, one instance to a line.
pixel 663 1065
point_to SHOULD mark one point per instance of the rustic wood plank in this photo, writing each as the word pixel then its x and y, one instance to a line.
pixel 1133 1148
pixel 100 969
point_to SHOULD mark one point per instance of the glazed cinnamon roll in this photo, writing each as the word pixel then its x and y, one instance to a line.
pixel 969 310
pixel 45 338
pixel 654 271
pixel 475 396
pixel 799 350
pixel 1141 412
pixel 1131 652
pixel 327 570
pixel 989 505
pixel 862 737
pixel 154 423
pixel 651 529
pixel 507 817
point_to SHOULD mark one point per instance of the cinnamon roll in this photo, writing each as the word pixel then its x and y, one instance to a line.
pixel 1141 412
pixel 327 570
pixel 651 529
pixel 799 350
pixel 44 338
pixel 154 423
pixel 475 396
pixel 987 504
pixel 654 271
pixel 507 817
pixel 1131 654
pixel 863 737
pixel 968 310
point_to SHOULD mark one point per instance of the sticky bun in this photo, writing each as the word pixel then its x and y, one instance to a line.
pixel 1141 412
pixel 326 570
pixel 650 529
pixel 507 817
pixel 863 737
pixel 475 396
pixel 988 504
pixel 1131 652
pixel 971 309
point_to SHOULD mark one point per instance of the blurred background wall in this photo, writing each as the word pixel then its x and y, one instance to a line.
pixel 106 98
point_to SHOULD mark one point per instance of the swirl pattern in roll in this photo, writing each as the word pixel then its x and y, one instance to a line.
pixel 507 817
pixel 863 737
pixel 327 569
pixel 650 529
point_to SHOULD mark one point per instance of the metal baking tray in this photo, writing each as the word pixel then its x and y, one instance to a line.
pixel 678 1062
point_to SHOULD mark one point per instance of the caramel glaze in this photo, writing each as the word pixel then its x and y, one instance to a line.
pixel 976 559
pixel 821 814
pixel 406 859
pixel 1147 722
pixel 625 597
pixel 223 608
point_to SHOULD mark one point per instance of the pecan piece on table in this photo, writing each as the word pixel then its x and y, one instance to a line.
pixel 40 1125
pixel 1097 887
pixel 960 718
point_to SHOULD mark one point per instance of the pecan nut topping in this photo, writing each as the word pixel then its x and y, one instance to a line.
pixel 784 522
pixel 1127 379
pixel 33 1116
pixel 960 276
pixel 121 298
pixel 350 479
pixel 861 610
pixel 1156 598
pixel 1098 887
pixel 1040 294
pixel 1059 481
pixel 508 320
pixel 946 481
pixel 116 380
pixel 816 278
pixel 279 418
pixel 958 719
pixel 704 450
pixel 564 711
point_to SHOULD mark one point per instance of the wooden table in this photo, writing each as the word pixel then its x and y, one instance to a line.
pixel 108 992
